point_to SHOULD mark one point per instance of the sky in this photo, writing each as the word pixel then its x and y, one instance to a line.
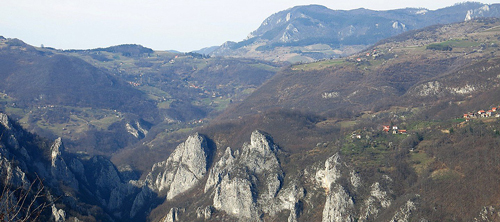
pixel 182 25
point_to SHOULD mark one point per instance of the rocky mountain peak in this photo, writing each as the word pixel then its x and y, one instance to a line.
pixel 183 169
pixel 56 149
pixel 261 142
pixel 260 154
pixel 59 170
pixel 330 173
pixel 4 120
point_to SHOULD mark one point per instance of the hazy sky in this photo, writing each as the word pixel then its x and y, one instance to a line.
pixel 183 25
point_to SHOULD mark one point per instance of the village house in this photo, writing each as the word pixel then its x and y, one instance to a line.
pixel 482 114
pixel 395 129
pixel 355 136
pixel 386 128
pixel 488 113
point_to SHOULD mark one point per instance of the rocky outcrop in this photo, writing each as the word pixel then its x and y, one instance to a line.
pixel 185 167
pixel 53 173
pixel 330 173
pixel 4 120
pixel 172 215
pixel 141 200
pixel 244 185
pixel 250 183
pixel 339 206
pixel 204 213
pixel 12 175
pixel 104 181
pixel 235 197
pixel 340 194
pixel 377 201
pixel 220 169
pixel 58 214
pixel 404 213
pixel 59 169
pixel 487 214
pixel 136 129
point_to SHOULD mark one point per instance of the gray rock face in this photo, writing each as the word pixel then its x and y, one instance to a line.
pixel 221 168
pixel 259 155
pixel 204 213
pixel 185 167
pixel 287 199
pixel 249 184
pixel 404 213
pixel 12 175
pixel 339 206
pixel 140 201
pixel 105 181
pixel 97 178
pixel 59 214
pixel 59 169
pixel 234 196
pixel 330 173
pixel 4 120
pixel 173 215
pixel 136 129
pixel 339 203
pixel 378 199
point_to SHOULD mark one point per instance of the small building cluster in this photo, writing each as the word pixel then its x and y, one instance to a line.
pixel 373 54
pixel 482 114
pixel 134 83
pixel 393 129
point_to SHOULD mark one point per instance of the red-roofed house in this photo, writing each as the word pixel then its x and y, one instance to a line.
pixel 386 128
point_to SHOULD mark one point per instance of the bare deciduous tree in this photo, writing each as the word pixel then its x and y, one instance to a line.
pixel 20 204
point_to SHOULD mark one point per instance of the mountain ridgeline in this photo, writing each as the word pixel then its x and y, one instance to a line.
pixel 313 32
pixel 404 127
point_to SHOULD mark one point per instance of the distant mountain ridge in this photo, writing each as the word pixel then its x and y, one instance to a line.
pixel 312 32
pixel 408 66
pixel 125 49
pixel 53 79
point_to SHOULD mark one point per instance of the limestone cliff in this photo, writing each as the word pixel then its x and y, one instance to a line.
pixel 59 169
pixel 250 184
pixel 185 167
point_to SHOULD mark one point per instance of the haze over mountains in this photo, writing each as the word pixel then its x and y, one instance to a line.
pixel 126 133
